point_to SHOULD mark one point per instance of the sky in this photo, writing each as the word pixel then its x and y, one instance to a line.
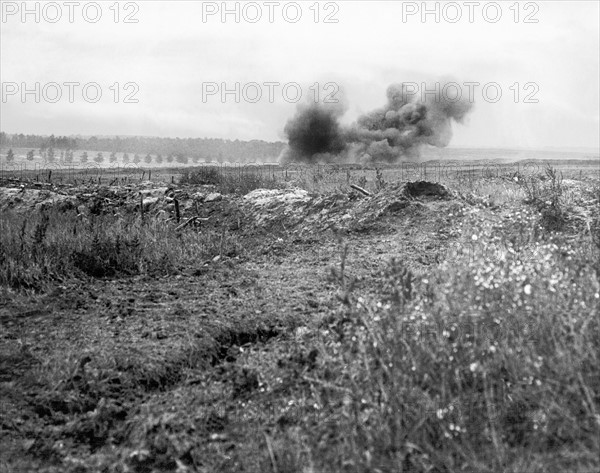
pixel 163 75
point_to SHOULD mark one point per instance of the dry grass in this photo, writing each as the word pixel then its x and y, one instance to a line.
pixel 230 181
pixel 54 246
pixel 485 361
pixel 483 364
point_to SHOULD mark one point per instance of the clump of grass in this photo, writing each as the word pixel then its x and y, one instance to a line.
pixel 55 246
pixel 545 192
pixel 108 256
pixel 362 181
pixel 485 365
pixel 202 176
pixel 229 181
pixel 380 182
pixel 593 223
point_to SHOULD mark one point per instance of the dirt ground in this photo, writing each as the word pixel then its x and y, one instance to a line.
pixel 204 369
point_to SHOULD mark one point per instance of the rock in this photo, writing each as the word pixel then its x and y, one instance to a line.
pixel 301 331
pixel 157 192
pixel 149 202
pixel 139 457
pixel 213 197
pixel 261 197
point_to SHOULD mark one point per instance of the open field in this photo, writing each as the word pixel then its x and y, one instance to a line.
pixel 320 178
pixel 269 319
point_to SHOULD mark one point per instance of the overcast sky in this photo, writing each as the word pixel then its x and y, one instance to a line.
pixel 173 52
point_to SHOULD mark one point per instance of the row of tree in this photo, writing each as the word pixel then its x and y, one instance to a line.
pixel 68 156
pixel 198 149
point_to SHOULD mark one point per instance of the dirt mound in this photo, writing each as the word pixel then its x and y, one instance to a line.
pixel 296 210
pixel 97 200
pixel 291 209
pixel 21 199
pixel 426 189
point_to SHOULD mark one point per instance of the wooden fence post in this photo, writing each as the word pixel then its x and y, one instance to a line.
pixel 177 214
pixel 142 207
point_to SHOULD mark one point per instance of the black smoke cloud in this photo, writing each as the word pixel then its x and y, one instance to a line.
pixel 408 121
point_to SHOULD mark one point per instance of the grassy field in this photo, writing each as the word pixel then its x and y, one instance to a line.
pixel 317 178
pixel 421 328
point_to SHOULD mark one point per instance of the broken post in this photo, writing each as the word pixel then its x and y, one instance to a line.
pixel 360 189
pixel 177 214
pixel 142 207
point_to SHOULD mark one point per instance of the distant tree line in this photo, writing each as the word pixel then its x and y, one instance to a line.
pixel 181 150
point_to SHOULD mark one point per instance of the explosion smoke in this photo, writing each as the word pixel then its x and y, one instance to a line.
pixel 399 129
